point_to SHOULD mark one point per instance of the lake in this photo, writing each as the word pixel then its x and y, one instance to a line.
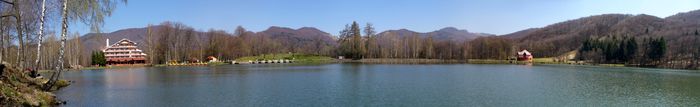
pixel 382 85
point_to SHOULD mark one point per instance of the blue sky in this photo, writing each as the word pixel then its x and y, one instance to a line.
pixel 486 16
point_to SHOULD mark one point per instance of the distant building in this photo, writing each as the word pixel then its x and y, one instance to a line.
pixel 341 57
pixel 212 59
pixel 524 55
pixel 124 52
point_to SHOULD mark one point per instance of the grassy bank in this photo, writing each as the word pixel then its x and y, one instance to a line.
pixel 18 89
pixel 438 61
pixel 534 61
pixel 492 61
pixel 403 61
pixel 302 58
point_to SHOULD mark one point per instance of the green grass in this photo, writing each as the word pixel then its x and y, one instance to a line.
pixel 295 57
pixel 494 61
pixel 490 61
pixel 613 65
pixel 18 89
pixel 216 63
pixel 543 60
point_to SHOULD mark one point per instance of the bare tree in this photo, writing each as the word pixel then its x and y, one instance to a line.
pixel 17 15
pixel 64 30
pixel 372 47
pixel 150 42
pixel 91 12
pixel 41 34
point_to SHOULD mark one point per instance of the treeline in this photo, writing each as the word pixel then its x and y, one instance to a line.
pixel 625 50
pixel 356 41
pixel 24 21
pixel 355 45
pixel 684 52
pixel 73 56
pixel 177 42
pixel 27 41
pixel 491 48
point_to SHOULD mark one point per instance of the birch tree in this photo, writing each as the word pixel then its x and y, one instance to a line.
pixel 90 12
pixel 41 34
pixel 17 15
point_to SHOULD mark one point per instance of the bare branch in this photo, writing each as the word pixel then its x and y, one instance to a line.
pixel 3 16
pixel 8 2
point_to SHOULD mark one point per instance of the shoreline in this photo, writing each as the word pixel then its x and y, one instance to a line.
pixel 17 88
pixel 536 61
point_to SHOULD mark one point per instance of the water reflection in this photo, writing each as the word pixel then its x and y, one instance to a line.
pixel 383 85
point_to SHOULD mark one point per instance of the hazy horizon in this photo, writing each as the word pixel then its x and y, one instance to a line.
pixel 494 16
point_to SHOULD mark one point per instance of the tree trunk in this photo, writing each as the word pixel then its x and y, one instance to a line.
pixel 149 41
pixel 41 34
pixel 2 41
pixel 64 30
pixel 20 47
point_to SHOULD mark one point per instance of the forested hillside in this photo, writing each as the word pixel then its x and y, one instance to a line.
pixel 178 42
pixel 679 31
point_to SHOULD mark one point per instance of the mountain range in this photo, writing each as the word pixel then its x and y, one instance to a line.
pixel 548 41
pixel 448 33
pixel 297 37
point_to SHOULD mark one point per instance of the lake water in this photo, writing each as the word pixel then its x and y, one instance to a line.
pixel 382 85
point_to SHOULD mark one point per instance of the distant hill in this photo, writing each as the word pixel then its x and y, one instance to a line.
pixel 298 37
pixel 548 41
pixel 96 41
pixel 567 36
pixel 521 34
pixel 448 33
pixel 294 37
pixel 687 17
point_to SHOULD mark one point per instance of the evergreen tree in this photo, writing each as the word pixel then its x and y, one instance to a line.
pixel 646 31
pixel 93 57
pixel 351 43
pixel 655 50
pixel 659 49
pixel 98 58
pixel 612 50
pixel 586 45
pixel 630 49
pixel 357 46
